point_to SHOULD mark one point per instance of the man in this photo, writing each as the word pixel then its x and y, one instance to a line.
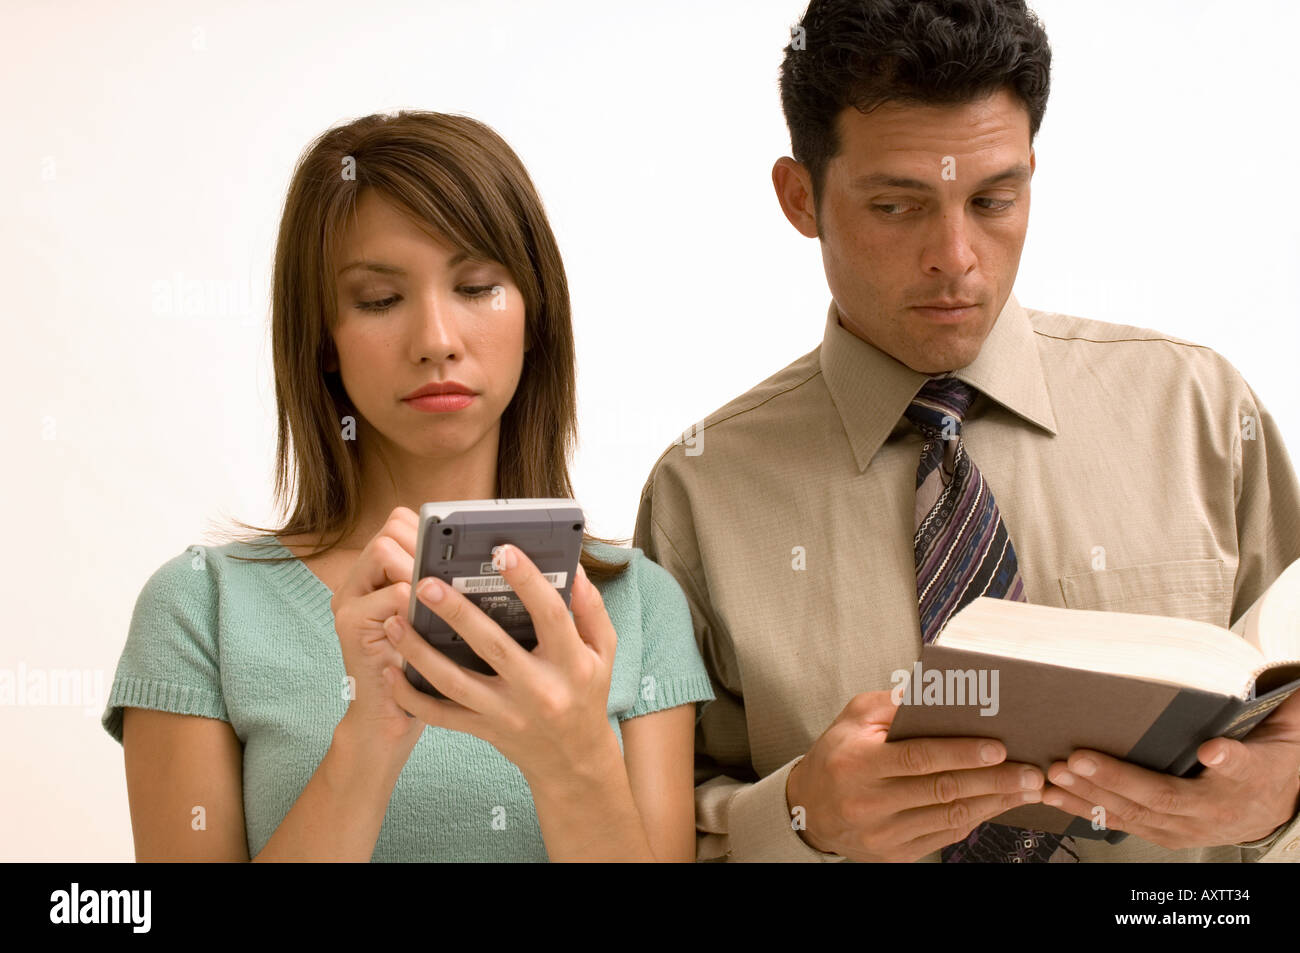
pixel 942 439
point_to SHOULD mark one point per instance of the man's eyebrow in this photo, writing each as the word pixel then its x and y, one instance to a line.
pixel 1019 172
pixel 383 268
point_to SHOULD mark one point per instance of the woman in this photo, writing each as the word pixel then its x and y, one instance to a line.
pixel 260 700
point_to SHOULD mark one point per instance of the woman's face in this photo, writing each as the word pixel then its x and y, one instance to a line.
pixel 413 311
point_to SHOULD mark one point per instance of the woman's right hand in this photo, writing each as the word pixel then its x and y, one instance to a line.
pixel 377 587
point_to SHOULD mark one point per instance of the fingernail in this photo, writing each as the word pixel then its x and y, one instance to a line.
pixel 1032 796
pixel 1217 758
pixel 393 628
pixel 431 589
pixel 1064 778
pixel 990 754
pixel 503 557
pixel 1085 766
pixel 1028 779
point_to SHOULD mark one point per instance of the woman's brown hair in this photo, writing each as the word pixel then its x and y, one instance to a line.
pixel 459 179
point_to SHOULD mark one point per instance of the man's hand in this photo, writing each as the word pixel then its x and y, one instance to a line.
pixel 1247 790
pixel 871 800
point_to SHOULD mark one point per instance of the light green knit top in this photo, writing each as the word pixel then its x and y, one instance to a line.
pixel 254 645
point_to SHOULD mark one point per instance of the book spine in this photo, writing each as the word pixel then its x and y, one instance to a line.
pixel 1235 721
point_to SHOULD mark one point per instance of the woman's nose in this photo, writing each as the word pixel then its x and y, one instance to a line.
pixel 436 333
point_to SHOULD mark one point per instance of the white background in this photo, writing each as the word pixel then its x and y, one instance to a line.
pixel 1165 196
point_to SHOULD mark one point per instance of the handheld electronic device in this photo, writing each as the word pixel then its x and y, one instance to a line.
pixel 455 542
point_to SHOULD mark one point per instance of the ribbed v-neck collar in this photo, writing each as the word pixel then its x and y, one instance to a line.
pixel 301 586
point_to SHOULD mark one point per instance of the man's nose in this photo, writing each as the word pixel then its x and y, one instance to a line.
pixel 948 248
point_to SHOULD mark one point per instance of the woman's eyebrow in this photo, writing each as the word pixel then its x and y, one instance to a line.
pixel 384 268
pixel 376 266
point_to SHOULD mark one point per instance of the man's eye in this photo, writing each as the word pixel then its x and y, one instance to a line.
pixel 382 305
pixel 889 211
pixel 996 205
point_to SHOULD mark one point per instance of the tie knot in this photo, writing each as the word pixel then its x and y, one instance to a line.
pixel 942 401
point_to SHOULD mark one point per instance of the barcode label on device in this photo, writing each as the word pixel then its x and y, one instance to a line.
pixel 476 584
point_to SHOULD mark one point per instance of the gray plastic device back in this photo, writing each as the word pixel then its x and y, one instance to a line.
pixel 455 542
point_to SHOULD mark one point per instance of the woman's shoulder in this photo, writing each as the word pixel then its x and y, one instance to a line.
pixel 634 559
pixel 644 586
pixel 215 599
pixel 197 573
pixel 609 552
pixel 185 572
pixel 658 663
pixel 179 637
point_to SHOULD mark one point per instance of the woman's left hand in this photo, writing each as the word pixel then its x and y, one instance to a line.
pixel 545 710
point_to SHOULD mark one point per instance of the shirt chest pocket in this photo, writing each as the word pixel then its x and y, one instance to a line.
pixel 1186 589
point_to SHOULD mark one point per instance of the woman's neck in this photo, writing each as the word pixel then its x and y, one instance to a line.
pixel 413 481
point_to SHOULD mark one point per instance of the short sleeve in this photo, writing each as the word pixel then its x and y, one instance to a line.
pixel 170 661
pixel 672 672
pixel 1267 503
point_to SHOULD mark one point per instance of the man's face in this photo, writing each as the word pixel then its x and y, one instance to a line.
pixel 915 211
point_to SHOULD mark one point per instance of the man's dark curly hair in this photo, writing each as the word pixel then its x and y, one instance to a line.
pixel 863 53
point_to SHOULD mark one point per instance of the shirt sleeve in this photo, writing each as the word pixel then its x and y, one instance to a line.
pixel 1268 540
pixel 738 816
pixel 170 661
pixel 672 672
pixel 1267 503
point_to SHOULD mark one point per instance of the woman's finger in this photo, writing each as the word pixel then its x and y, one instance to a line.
pixel 430 710
pixel 556 633
pixel 371 611
pixel 385 559
pixel 471 690
pixel 591 618
pixel 488 640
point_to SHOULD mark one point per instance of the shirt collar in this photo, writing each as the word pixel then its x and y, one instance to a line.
pixel 871 390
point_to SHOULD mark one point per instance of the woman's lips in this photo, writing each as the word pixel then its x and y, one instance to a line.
pixel 440 403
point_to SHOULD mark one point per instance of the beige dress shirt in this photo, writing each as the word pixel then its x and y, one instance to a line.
pixel 787 518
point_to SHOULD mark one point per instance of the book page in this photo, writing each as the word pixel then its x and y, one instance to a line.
pixel 1272 624
pixel 1177 651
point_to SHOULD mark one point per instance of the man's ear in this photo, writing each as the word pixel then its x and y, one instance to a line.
pixel 793 186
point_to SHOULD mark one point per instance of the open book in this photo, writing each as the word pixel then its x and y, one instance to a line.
pixel 1149 689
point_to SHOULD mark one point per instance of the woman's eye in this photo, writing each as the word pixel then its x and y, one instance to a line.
pixel 469 291
pixel 383 305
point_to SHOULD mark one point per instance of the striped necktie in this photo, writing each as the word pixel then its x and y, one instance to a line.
pixel 963 551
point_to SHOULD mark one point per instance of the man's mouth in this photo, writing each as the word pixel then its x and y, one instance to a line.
pixel 947 312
